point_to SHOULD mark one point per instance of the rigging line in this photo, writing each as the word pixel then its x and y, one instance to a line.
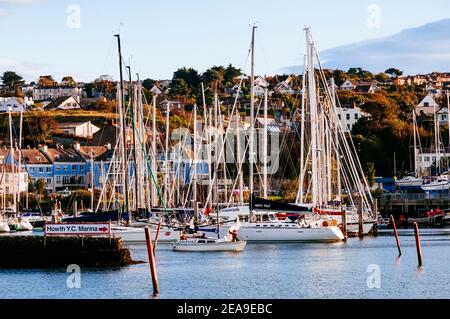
pixel 209 197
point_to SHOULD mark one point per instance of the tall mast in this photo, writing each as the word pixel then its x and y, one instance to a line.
pixel 265 141
pixel 92 181
pixel 252 119
pixel 313 115
pixel 240 161
pixel 132 93
pixel 302 136
pixel 20 153
pixel 448 117
pixel 154 157
pixel 195 157
pixel 415 144
pixel 12 160
pixel 166 176
pixel 336 136
pixel 124 131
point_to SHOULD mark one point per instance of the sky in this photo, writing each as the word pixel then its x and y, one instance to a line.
pixel 75 38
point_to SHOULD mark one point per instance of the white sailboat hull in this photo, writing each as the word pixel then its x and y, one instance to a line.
pixel 436 186
pixel 4 228
pixel 132 235
pixel 205 246
pixel 276 232
pixel 409 182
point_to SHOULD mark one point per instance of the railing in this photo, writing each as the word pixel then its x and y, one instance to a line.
pixel 413 196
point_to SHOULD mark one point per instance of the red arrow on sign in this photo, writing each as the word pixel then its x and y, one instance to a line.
pixel 103 229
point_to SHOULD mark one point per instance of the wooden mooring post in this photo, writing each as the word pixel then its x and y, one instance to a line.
pixel 418 246
pixel 155 244
pixel 344 224
pixel 360 219
pixel 151 259
pixel 396 235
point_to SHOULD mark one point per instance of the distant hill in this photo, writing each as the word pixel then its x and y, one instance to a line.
pixel 417 50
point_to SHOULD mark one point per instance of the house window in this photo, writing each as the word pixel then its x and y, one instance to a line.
pixel 348 116
pixel 356 116
pixel 41 170
pixel 74 167
pixel 66 168
pixel 49 169
pixel 426 104
pixel 58 179
pixel 427 158
pixel 49 181
pixel 339 116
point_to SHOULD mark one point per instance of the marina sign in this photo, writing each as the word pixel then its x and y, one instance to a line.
pixel 90 229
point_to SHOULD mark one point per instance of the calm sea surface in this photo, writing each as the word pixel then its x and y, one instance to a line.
pixel 261 271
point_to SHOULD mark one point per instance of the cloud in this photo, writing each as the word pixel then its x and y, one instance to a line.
pixel 3 12
pixel 416 50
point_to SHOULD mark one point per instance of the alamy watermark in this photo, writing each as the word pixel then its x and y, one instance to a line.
pixel 73 280
pixel 73 20
pixel 374 279
pixel 231 147
pixel 374 19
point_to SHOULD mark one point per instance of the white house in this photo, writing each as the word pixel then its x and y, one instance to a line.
pixel 15 104
pixel 284 88
pixel 155 90
pixel 48 93
pixel 349 85
pixel 349 116
pixel 11 180
pixel 86 129
pixel 63 103
pixel 261 82
pixel 427 106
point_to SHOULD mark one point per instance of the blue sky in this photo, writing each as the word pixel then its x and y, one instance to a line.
pixel 161 36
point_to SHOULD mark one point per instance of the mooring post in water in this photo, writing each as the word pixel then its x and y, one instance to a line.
pixel 155 244
pixel 151 258
pixel 396 235
pixel 360 218
pixel 419 248
pixel 344 223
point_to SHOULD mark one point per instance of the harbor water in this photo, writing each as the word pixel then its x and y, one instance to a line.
pixel 367 268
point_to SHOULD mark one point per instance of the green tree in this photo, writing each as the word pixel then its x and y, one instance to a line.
pixel 179 87
pixel 230 73
pixel 214 77
pixel 393 72
pixel 191 80
pixel 12 82
pixel 148 83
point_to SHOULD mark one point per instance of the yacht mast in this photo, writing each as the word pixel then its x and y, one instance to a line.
pixel 252 119
pixel 265 141
pixel 12 153
pixel 302 136
pixel 154 156
pixel 313 115
pixel 194 166
pixel 124 131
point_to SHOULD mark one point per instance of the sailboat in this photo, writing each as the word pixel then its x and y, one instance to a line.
pixel 331 176
pixel 441 182
pixel 412 181
pixel 230 242
pixel 262 225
